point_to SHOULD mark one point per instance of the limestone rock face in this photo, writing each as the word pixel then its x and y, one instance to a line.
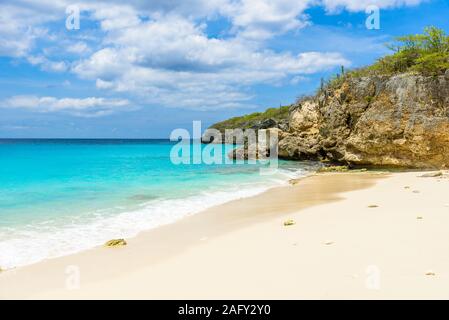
pixel 265 146
pixel 306 119
pixel 249 152
pixel 304 139
pixel 398 121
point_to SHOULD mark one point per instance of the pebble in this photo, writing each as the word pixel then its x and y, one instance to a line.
pixel 116 243
pixel 289 222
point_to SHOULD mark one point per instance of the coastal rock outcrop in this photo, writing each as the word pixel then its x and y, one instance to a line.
pixel 239 135
pixel 263 145
pixel 400 121
pixel 392 121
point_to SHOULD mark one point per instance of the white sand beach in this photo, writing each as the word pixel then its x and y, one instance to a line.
pixel 356 236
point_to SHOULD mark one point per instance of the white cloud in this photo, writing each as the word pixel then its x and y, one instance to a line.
pixel 115 17
pixel 174 63
pixel 48 65
pixel 159 51
pixel 21 20
pixel 101 84
pixel 21 24
pixel 91 106
pixel 361 5
pixel 262 19
pixel 78 48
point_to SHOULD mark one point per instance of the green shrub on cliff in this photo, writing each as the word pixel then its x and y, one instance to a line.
pixel 249 120
pixel 426 53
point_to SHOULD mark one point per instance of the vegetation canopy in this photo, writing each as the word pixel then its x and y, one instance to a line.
pixel 426 54
pixel 249 120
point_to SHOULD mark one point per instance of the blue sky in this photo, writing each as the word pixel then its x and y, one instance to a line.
pixel 140 69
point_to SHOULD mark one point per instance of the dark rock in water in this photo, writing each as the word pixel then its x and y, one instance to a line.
pixel 266 124
pixel 230 136
pixel 210 137
pixel 263 149
pixel 240 135
pixel 283 125
pixel 116 243
pixel 249 152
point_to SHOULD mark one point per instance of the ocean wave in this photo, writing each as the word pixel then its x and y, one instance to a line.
pixel 33 243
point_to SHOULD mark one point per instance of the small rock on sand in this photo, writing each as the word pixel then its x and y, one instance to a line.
pixel 430 273
pixel 294 182
pixel 116 243
pixel 432 175
pixel 327 169
pixel 289 222
pixel 372 206
pixel 419 218
pixel 416 191
pixel 329 243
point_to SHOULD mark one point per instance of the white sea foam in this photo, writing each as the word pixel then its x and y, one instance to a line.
pixel 30 244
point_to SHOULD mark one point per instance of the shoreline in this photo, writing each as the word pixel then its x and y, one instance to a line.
pixel 188 206
pixel 242 250
pixel 198 221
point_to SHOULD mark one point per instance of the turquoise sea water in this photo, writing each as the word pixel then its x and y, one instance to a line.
pixel 61 196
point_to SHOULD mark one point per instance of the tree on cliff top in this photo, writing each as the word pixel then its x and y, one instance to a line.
pixel 426 53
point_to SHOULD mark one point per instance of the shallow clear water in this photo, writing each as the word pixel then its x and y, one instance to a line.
pixel 61 196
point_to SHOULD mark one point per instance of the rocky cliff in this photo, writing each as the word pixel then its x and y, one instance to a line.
pixel 396 121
